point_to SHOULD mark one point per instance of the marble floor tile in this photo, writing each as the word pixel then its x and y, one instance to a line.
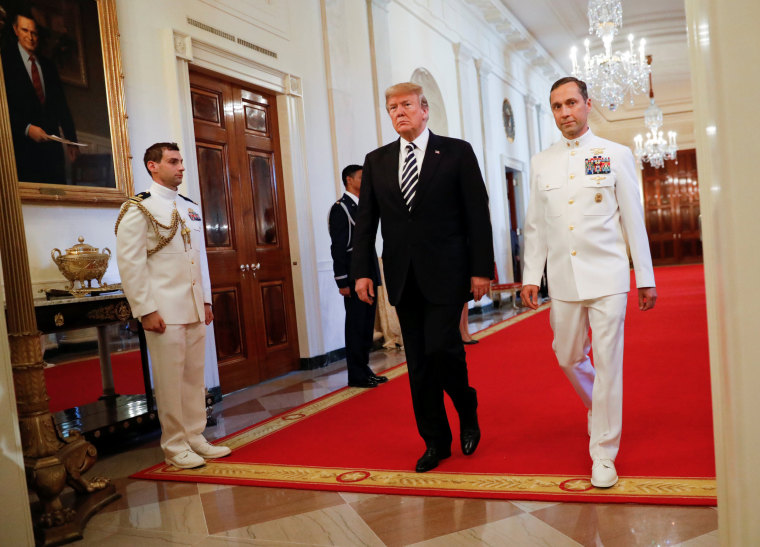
pixel 182 516
pixel 530 506
pixel 522 530
pixel 427 517
pixel 244 407
pixel 97 537
pixel 707 540
pixel 338 525
pixel 221 541
pixel 135 493
pixel 628 524
pixel 125 463
pixel 243 506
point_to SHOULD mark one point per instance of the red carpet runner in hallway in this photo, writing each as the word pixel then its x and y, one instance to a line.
pixel 534 442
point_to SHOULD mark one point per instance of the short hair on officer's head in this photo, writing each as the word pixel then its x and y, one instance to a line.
pixel 156 151
pixel 568 79
pixel 349 171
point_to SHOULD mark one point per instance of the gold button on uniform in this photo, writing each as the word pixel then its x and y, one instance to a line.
pixel 572 177
pixel 572 153
pixel 572 253
pixel 572 227
pixel 571 201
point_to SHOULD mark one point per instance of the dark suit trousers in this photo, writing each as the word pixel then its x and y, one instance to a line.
pixel 436 363
pixel 360 327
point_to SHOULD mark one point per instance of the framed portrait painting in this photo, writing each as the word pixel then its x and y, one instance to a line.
pixel 63 85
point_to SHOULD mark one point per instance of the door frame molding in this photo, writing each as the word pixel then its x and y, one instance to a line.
pixel 185 49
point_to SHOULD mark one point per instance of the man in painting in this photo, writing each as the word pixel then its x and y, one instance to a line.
pixel 37 107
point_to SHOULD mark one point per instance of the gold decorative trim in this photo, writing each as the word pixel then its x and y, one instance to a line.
pixel 481 483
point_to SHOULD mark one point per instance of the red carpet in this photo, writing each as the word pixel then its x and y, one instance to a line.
pixel 79 382
pixel 534 443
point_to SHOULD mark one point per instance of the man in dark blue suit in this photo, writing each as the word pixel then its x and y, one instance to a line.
pixel 437 254
pixel 37 107
pixel 360 316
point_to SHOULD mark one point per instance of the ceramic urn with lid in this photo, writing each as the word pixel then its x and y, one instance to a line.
pixel 82 263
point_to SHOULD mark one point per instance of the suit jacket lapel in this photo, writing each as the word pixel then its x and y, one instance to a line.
pixel 390 166
pixel 429 165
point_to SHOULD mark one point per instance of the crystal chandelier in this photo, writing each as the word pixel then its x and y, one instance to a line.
pixel 610 76
pixel 655 149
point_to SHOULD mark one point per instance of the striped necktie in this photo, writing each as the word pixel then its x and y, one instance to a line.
pixel 409 176
pixel 36 81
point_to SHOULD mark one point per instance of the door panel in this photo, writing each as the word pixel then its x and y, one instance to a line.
pixel 246 231
pixel 671 210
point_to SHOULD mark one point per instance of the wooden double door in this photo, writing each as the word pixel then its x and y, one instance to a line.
pixel 671 209
pixel 237 147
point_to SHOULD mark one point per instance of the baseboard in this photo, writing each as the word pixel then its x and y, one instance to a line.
pixel 319 361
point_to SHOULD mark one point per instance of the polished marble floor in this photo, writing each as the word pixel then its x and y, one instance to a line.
pixel 170 513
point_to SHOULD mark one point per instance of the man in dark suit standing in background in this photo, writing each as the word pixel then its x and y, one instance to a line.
pixel 360 316
pixel 37 107
pixel 437 254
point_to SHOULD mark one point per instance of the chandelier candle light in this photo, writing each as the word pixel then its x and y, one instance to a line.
pixel 655 149
pixel 610 76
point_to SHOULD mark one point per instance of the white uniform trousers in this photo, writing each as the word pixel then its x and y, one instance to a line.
pixel 178 357
pixel 600 387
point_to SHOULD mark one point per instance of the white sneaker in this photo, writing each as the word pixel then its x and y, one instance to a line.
pixel 186 460
pixel 589 422
pixel 603 473
pixel 210 451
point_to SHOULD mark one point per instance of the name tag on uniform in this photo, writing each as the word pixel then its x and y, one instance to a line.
pixel 193 215
pixel 596 165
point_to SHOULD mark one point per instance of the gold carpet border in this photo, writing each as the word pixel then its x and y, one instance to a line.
pixel 482 483
pixel 285 420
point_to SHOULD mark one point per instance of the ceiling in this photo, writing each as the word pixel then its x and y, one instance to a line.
pixel 557 25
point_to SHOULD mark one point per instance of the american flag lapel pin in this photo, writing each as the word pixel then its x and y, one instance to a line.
pixel 437 151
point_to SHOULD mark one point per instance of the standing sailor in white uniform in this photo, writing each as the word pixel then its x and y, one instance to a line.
pixel 584 203
pixel 159 241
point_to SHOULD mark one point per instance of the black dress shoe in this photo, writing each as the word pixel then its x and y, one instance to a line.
pixel 431 458
pixel 379 379
pixel 469 437
pixel 369 382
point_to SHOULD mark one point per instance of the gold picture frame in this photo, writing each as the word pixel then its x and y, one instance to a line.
pixel 113 76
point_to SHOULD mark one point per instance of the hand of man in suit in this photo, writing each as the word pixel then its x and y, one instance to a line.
pixel 153 322
pixel 345 291
pixel 37 134
pixel 479 287
pixel 529 296
pixel 647 298
pixel 365 290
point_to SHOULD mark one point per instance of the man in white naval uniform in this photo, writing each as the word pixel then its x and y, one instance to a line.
pixel 584 203
pixel 159 241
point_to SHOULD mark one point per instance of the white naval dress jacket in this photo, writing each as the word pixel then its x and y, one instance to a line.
pixel 170 280
pixel 576 222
